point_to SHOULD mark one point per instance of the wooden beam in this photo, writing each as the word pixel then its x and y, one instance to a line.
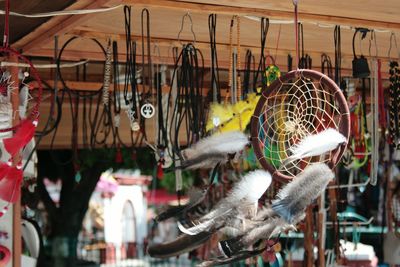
pixel 197 7
pixel 58 25
pixel 16 250
pixel 168 42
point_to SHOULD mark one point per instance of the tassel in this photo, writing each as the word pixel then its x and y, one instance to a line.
pixel 21 137
pixel 10 185
pixel 160 172
pixel 118 156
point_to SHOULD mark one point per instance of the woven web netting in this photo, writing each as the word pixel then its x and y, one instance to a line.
pixel 293 110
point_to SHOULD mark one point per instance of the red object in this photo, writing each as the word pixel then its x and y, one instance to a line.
pixel 22 136
pixel 5 255
pixel 118 156
pixel 161 197
pixel 160 172
pixel 10 185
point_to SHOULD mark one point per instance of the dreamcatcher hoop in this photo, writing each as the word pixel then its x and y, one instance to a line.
pixel 6 52
pixel 298 104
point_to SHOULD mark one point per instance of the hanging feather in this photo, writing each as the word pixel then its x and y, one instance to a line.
pixel 225 143
pixel 244 194
pixel 205 161
pixel 316 145
pixel 213 149
pixel 22 137
pixel 182 244
pixel 296 196
pixel 195 197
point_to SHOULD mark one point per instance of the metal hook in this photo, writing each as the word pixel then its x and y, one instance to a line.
pixel 373 38
pixel 191 28
pixel 392 38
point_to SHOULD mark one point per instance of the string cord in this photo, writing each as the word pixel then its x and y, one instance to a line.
pixel 261 64
pixel 189 106
pixel 212 26
pixel 6 24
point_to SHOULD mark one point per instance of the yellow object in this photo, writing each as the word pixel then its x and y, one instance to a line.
pixel 219 114
pixel 236 117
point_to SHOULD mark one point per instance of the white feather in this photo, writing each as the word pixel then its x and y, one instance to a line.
pixel 224 143
pixel 316 144
pixel 251 187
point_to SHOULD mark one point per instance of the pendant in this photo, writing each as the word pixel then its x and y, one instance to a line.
pixel 147 110
pixel 131 116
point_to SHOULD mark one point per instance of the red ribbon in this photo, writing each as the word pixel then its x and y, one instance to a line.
pixel 10 182
pixel 22 136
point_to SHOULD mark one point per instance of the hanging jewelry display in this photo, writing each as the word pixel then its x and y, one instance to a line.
pixel 394 99
pixel 147 109
pixel 130 72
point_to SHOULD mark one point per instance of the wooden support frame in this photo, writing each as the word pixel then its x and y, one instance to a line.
pixel 272 14
pixel 59 25
pixel 16 250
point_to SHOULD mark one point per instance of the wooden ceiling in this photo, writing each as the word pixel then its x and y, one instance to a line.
pixel 318 17
pixel 166 17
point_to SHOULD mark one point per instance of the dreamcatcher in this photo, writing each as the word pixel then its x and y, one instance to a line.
pixel 20 120
pixel 301 103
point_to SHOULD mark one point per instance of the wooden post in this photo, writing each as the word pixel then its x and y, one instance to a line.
pixel 309 239
pixel 321 231
pixel 333 211
pixel 16 250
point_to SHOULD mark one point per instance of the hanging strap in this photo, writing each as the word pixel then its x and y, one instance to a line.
pixel 261 65
pixel 338 54
pixel 6 24
pixel 212 26
pixel 146 16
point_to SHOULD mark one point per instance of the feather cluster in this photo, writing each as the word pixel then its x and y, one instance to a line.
pixel 237 214
pixel 287 210
pixel 244 194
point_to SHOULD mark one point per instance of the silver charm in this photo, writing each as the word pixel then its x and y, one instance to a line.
pixel 147 110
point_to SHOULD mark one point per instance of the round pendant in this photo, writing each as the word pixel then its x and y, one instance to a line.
pixel 135 126
pixel 147 110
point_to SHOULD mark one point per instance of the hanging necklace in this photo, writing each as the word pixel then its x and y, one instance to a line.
pixel 261 64
pixel 394 103
pixel 212 26
pixel 130 71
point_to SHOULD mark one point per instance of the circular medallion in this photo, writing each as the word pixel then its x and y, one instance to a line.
pixel 147 110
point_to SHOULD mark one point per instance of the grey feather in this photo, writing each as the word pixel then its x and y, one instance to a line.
pixel 213 149
pixel 224 143
pixel 296 196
